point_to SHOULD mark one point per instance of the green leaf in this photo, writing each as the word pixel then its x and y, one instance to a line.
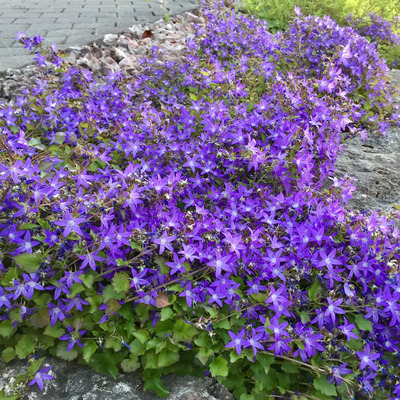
pixel 25 347
pixel 153 382
pixel 166 313
pixel 203 340
pixel 183 332
pixel 29 262
pixel 362 323
pixel 63 353
pixel 161 262
pixel 9 277
pixel 224 324
pixel 246 396
pixel 87 280
pixel 204 354
pixel 167 357
pixel 90 346
pixel 6 328
pixel 8 354
pixel 137 348
pixel 112 306
pixel 36 364
pixel 354 344
pixel 104 364
pixel 290 367
pixel 304 317
pixel 40 318
pixel 314 290
pixel 130 364
pixel 27 226
pixel 322 384
pixel 219 367
pixel 121 282
pixel 142 335
pixel 110 293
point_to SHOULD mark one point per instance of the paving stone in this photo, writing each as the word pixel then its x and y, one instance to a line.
pixel 73 22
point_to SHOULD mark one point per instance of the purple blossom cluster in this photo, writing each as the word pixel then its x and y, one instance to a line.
pixel 378 30
pixel 208 174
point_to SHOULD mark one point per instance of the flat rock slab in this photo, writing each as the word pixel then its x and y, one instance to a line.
pixel 74 22
pixel 375 165
pixel 77 382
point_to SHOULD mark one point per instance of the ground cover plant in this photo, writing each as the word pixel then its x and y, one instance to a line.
pixel 375 20
pixel 177 221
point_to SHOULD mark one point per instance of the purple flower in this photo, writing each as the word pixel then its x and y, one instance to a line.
pixel 73 337
pixel 367 359
pixel 41 376
pixel 164 242
pixel 333 308
pixel 237 341
pixel 90 259
pixel 70 224
pixel 337 371
pixel 41 59
pixel 347 330
pixel 56 312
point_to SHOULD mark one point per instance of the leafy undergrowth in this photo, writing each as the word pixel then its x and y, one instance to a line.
pixel 177 222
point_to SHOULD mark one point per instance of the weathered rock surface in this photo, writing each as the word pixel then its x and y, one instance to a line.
pixel 375 165
pixel 77 382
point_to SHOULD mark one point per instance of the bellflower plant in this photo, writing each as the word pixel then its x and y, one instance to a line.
pixel 180 216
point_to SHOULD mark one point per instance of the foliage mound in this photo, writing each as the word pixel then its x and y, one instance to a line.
pixel 177 222
pixel 376 20
pixel 279 13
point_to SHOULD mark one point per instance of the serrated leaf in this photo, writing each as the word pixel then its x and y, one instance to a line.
pixel 121 282
pixel 63 353
pixel 304 317
pixel 89 348
pixel 219 367
pixel 204 354
pixel 40 318
pixel 167 357
pixel 224 324
pixel 166 313
pixel 130 364
pixel 6 328
pixel 153 382
pixel 137 348
pixel 354 344
pixel 142 335
pixel 25 347
pixel 183 332
pixel 161 262
pixel 54 331
pixel 29 262
pixel 87 280
pixel 363 323
pixel 290 367
pixel 322 384
pixel 110 293
pixel 112 307
pixel 104 364
pixel 314 290
pixel 8 354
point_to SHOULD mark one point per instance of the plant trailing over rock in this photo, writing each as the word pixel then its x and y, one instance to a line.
pixel 176 221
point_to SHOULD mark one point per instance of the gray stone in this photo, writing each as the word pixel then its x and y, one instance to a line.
pixel 110 39
pixel 77 382
pixel 375 166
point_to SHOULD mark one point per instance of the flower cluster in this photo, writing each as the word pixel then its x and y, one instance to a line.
pixel 382 32
pixel 134 208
